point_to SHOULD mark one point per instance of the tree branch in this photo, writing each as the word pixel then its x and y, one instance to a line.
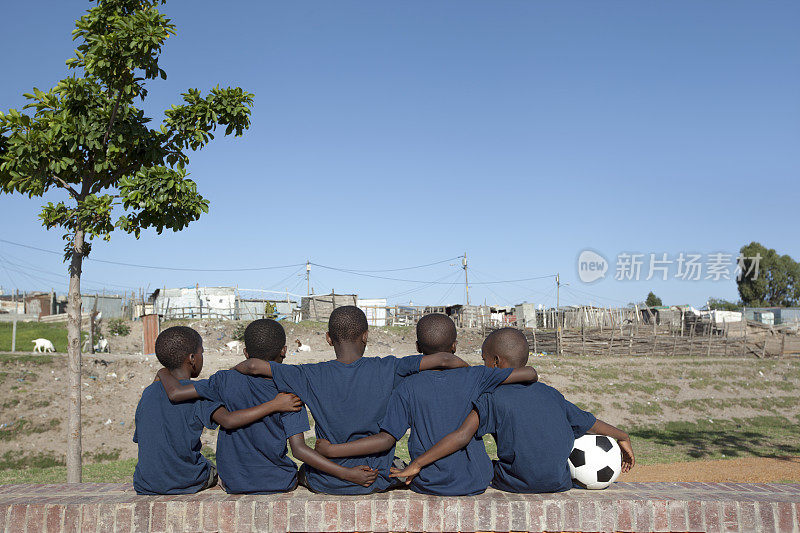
pixel 111 120
pixel 66 186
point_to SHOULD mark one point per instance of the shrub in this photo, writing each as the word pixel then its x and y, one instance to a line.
pixel 117 326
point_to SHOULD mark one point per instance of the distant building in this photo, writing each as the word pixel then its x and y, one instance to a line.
pixel 318 307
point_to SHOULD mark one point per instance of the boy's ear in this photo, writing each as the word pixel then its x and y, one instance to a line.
pixel 328 338
pixel 453 347
pixel 419 348
pixel 283 351
pixel 246 355
pixel 497 361
pixel 364 337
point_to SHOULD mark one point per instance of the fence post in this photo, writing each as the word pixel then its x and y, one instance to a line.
pixel 691 338
pixel 710 334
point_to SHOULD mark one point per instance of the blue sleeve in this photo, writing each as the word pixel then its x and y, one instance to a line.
pixel 203 409
pixel 208 388
pixel 294 423
pixel 398 415
pixel 490 378
pixel 580 420
pixel 290 378
pixel 488 421
pixel 405 366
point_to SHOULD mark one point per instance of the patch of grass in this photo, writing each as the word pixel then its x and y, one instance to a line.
pixel 27 331
pixel 763 436
pixel 110 472
pixel 210 454
pixel 13 402
pixel 23 427
pixel 103 457
pixel 641 408
pixel 15 460
pixel 11 358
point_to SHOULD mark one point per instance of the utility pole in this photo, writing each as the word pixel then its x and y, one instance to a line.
pixel 14 326
pixel 466 280
pixel 308 278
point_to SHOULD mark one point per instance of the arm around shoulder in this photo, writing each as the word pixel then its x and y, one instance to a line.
pixel 173 388
pixel 526 374
pixel 254 367
pixel 283 402
pixel 441 361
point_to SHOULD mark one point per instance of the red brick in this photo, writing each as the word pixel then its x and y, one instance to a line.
pixel 644 515
pixel 176 511
pixel 261 514
pixel 552 513
pixel 347 515
pixel 450 514
pixel 105 516
pixel 518 516
pixel 141 517
pixel 72 519
pixel 484 518
pixel 695 514
pixel 210 515
pixel 433 513
pixel 607 515
pixel 193 520
pixel 158 516
pixel 712 516
pixel 398 515
pixel 226 518
pixel 730 516
pixel 123 519
pixel 660 515
pixel 677 516
pixel 244 515
pixel 314 515
pixel 535 511
pixel 416 514
pixel 572 515
pixel 330 516
pixel 588 516
pixel 363 515
pixel 34 518
pixel 5 509
pixel 624 515
pixel 280 516
pixel 89 518
pixel 466 514
pixel 785 518
pixel 53 518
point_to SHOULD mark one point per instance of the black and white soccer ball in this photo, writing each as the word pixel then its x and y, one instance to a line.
pixel 595 461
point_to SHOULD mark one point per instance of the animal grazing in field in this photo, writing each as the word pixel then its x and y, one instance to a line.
pixel 234 346
pixel 302 347
pixel 102 346
pixel 43 345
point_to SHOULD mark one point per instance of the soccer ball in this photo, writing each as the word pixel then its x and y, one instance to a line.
pixel 595 461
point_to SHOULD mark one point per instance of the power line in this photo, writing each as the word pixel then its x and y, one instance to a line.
pixel 353 270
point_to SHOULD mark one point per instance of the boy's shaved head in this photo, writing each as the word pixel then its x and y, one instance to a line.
pixel 347 324
pixel 264 339
pixel 435 333
pixel 175 344
pixel 508 343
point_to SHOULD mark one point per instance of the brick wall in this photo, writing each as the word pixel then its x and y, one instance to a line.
pixel 623 507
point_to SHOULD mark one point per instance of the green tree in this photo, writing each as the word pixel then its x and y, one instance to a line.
pixel 723 305
pixel 86 138
pixel 767 278
pixel 653 300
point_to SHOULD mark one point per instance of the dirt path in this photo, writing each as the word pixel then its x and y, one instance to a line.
pixel 745 470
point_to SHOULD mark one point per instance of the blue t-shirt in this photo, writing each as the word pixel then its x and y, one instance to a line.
pixel 347 402
pixel 168 435
pixel 535 428
pixel 433 404
pixel 252 459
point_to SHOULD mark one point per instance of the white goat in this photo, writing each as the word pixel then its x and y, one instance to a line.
pixel 302 347
pixel 102 346
pixel 234 346
pixel 43 345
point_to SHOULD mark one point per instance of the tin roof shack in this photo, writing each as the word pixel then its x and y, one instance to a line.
pixel 318 307
pixel 110 305
pixel 195 302
pixel 780 315
pixel 40 303
pixel 526 315
pixel 255 308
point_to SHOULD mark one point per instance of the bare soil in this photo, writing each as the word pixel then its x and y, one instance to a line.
pixel 743 470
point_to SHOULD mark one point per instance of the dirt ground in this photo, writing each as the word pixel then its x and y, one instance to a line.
pixel 627 392
pixel 744 470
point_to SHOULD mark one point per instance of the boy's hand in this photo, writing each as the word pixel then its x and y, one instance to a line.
pixel 628 459
pixel 322 447
pixel 287 402
pixel 409 472
pixel 361 475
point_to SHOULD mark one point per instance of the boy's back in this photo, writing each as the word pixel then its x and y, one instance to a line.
pixel 252 459
pixel 535 428
pixel 347 402
pixel 433 404
pixel 168 436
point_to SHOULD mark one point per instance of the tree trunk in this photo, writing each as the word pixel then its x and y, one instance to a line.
pixel 74 360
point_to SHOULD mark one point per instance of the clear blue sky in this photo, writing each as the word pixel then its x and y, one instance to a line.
pixel 393 134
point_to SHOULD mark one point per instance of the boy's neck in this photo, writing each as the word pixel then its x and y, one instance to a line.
pixel 181 373
pixel 348 352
